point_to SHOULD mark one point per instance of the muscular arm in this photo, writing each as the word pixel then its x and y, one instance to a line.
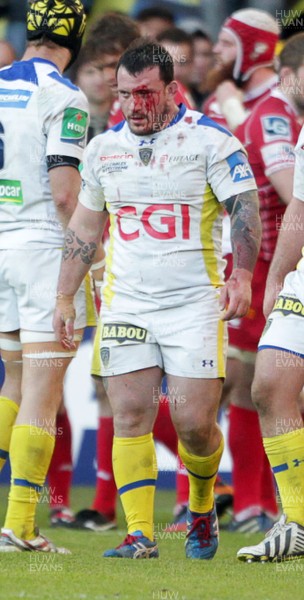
pixel 83 236
pixel 287 252
pixel 243 210
pixel 65 186
pixel 245 239
pixel 282 182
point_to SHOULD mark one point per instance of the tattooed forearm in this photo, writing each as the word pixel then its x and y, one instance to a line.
pixel 74 246
pixel 245 229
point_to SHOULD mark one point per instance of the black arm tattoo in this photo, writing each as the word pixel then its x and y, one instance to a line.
pixel 73 246
pixel 245 229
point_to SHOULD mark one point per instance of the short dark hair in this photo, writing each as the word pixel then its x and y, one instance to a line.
pixel 155 11
pixel 292 54
pixel 142 54
pixel 199 34
pixel 176 35
pixel 112 34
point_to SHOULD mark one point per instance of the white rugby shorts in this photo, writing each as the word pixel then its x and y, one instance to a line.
pixel 187 341
pixel 284 329
pixel 28 283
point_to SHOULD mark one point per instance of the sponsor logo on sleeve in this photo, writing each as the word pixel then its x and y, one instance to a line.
pixel 240 168
pixel 14 98
pixel 74 124
pixel 276 128
pixel 122 332
pixel 10 191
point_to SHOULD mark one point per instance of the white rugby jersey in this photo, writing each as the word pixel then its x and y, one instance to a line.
pixel 164 194
pixel 41 114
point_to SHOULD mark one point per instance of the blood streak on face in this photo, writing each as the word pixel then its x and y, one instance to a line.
pixel 144 100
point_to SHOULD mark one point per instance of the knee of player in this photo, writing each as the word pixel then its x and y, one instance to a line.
pixel 131 422
pixel 195 436
pixel 262 392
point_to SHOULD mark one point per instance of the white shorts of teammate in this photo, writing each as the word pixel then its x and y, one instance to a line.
pixel 284 329
pixel 187 341
pixel 28 282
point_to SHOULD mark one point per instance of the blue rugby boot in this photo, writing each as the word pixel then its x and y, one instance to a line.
pixel 134 546
pixel 202 535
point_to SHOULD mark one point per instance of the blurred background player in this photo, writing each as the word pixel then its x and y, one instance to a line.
pixel 242 77
pixel 203 62
pixel 39 189
pixel 243 70
pixel 15 31
pixel 89 76
pixel 154 20
pixel 7 54
pixel 180 45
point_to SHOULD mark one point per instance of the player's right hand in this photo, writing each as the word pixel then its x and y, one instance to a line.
pixel 63 321
pixel 235 295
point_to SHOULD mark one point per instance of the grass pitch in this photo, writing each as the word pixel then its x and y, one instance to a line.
pixel 85 575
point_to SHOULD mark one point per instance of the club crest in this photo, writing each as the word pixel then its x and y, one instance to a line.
pixel 105 356
pixel 145 155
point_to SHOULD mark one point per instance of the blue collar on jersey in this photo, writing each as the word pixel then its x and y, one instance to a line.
pixel 179 116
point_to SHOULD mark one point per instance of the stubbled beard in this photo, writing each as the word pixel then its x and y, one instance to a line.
pixel 219 74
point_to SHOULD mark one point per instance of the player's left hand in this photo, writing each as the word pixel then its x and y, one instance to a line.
pixel 235 296
pixel 63 321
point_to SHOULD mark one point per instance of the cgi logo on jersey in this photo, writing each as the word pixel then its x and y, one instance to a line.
pixel 240 168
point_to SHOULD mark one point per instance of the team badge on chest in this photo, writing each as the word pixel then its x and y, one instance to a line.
pixel 145 155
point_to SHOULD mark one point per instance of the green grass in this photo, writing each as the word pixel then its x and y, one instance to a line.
pixel 85 575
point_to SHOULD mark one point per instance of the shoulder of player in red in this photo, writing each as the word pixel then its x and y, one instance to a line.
pixel 212 109
pixel 273 119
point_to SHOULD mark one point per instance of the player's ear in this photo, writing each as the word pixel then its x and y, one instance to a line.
pixel 172 88
pixel 286 74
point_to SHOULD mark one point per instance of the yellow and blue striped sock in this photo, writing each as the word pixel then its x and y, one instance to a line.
pixel 8 413
pixel 202 471
pixel 286 456
pixel 31 451
pixel 135 471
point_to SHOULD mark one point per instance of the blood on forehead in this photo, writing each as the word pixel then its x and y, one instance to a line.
pixel 144 93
